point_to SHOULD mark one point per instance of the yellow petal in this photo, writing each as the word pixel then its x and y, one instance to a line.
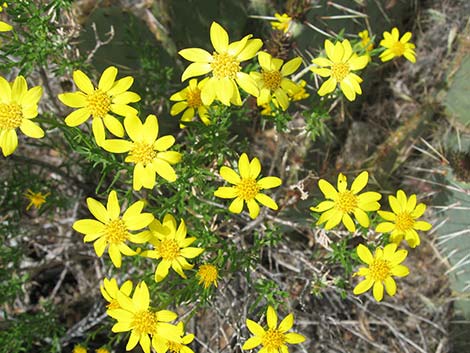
pixel 120 86
pixel 255 328
pixel 196 69
pixel 134 127
pixel 99 133
pixel 327 87
pixel 253 208
pixel 271 317
pixel 247 83
pixel 112 206
pixel 294 338
pixel 31 129
pixel 291 66
pixel 385 227
pixel 229 175
pixel 164 169
pixel 74 100
pixel 88 226
pixel 364 254
pixel 287 323
pixel 117 146
pixel 219 38
pixel 363 286
pixel 360 182
pixel 252 343
pixel 236 206
pixel 98 210
pixel 378 291
pixel 107 79
pixel 196 55
pixel 269 182
pixel 226 192
pixel 349 223
pixel 266 201
pixel 77 117
pixel 113 125
pixel 250 50
pixel 422 225
pixel 327 189
pixel 83 82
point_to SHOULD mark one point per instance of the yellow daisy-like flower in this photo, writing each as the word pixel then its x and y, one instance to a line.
pixel 345 202
pixel 224 65
pixel 172 246
pixel 147 151
pixel 272 81
pixel 382 266
pixel 109 290
pixel 247 188
pixel 338 67
pixel 102 350
pixel 273 339
pixel 110 96
pixel 189 100
pixel 4 27
pixel 136 316
pixel 366 43
pixel 18 106
pixel 208 274
pixel 300 93
pixel 79 349
pixel 396 46
pixel 403 220
pixel 282 22
pixel 113 230
pixel 37 199
pixel 162 346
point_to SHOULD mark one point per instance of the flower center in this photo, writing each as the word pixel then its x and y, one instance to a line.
pixel 142 152
pixel 272 79
pixel 174 347
pixel 404 221
pixel 379 269
pixel 208 274
pixel 145 322
pixel 169 249
pixel 224 65
pixel 339 71
pixel 398 48
pixel 116 231
pixel 113 304
pixel 247 189
pixel 272 339
pixel 346 201
pixel 194 98
pixel 99 103
pixel 11 116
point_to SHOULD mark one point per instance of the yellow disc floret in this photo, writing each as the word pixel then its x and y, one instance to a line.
pixel 248 189
pixel 225 65
pixel 273 339
pixel 272 79
pixel 116 231
pixel 99 103
pixel 346 201
pixel 142 152
pixel 11 116
pixel 339 71
pixel 145 322
pixel 169 249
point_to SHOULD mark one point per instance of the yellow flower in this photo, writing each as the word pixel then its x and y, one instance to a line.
pixel 147 151
pixel 344 202
pixel 136 316
pixel 273 339
pixel 18 106
pixel 272 81
pixel 113 230
pixel 189 100
pixel 207 274
pixel 341 62
pixel 163 345
pixel 300 93
pixel 396 47
pixel 4 27
pixel 224 64
pixel 109 290
pixel 79 349
pixel 382 266
pixel 403 220
pixel 102 350
pixel 247 188
pixel 366 43
pixel 283 22
pixel 172 246
pixel 36 199
pixel 110 96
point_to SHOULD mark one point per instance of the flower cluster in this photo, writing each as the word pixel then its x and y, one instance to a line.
pixel 402 223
